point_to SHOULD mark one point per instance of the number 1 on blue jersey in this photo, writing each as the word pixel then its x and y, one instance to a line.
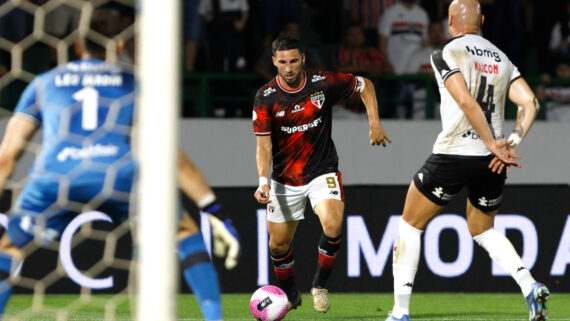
pixel 89 97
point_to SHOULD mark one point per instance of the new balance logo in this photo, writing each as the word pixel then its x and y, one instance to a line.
pixel 334 192
pixel 521 268
pixel 280 113
pixel 410 284
pixel 421 177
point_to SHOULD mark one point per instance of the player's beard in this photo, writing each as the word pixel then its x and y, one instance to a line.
pixel 293 82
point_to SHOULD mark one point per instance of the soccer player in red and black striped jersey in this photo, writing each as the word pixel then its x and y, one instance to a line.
pixel 292 118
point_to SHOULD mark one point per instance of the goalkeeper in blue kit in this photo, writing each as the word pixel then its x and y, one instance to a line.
pixel 86 110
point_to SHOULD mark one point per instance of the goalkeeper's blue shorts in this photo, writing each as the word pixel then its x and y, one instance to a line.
pixel 46 206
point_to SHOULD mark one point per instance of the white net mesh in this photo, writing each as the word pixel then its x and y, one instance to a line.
pixel 92 257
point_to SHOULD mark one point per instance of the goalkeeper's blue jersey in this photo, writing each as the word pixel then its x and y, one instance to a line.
pixel 86 110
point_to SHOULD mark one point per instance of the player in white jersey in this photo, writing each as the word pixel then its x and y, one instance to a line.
pixel 402 29
pixel 474 78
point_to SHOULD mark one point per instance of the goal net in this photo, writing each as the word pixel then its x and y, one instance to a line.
pixel 91 261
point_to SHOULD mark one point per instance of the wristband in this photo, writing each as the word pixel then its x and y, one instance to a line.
pixel 516 138
pixel 206 201
pixel 263 181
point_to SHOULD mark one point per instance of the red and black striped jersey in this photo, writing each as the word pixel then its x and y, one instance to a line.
pixel 300 122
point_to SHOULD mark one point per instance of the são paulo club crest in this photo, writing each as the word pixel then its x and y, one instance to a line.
pixel 318 99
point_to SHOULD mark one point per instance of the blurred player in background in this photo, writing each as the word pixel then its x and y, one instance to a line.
pixel 292 122
pixel 86 108
pixel 474 79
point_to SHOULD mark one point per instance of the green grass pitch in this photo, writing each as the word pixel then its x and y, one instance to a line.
pixel 344 306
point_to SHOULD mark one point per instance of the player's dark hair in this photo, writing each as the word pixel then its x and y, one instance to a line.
pixel 286 41
pixel 105 20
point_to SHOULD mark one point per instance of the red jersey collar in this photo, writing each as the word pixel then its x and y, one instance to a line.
pixel 293 90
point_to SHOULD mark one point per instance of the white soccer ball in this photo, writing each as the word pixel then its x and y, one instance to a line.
pixel 269 303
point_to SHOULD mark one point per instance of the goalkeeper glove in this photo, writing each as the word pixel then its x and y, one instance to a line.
pixel 224 235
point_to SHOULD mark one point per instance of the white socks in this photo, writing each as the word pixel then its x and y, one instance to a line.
pixel 502 251
pixel 406 256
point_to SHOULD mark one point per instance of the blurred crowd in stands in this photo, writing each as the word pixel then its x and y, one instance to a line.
pixel 376 38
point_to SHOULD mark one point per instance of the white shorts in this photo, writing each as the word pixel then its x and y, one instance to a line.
pixel 288 202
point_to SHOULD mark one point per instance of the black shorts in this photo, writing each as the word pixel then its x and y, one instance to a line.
pixel 443 176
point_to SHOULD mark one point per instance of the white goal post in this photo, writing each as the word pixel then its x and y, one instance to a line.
pixel 158 41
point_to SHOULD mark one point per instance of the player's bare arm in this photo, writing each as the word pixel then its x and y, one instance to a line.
pixel 18 132
pixel 263 160
pixel 455 84
pixel 377 133
pixel 224 235
pixel 521 94
pixel 190 179
pixel 528 107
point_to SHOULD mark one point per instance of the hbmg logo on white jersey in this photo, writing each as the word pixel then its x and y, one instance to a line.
pixel 484 53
